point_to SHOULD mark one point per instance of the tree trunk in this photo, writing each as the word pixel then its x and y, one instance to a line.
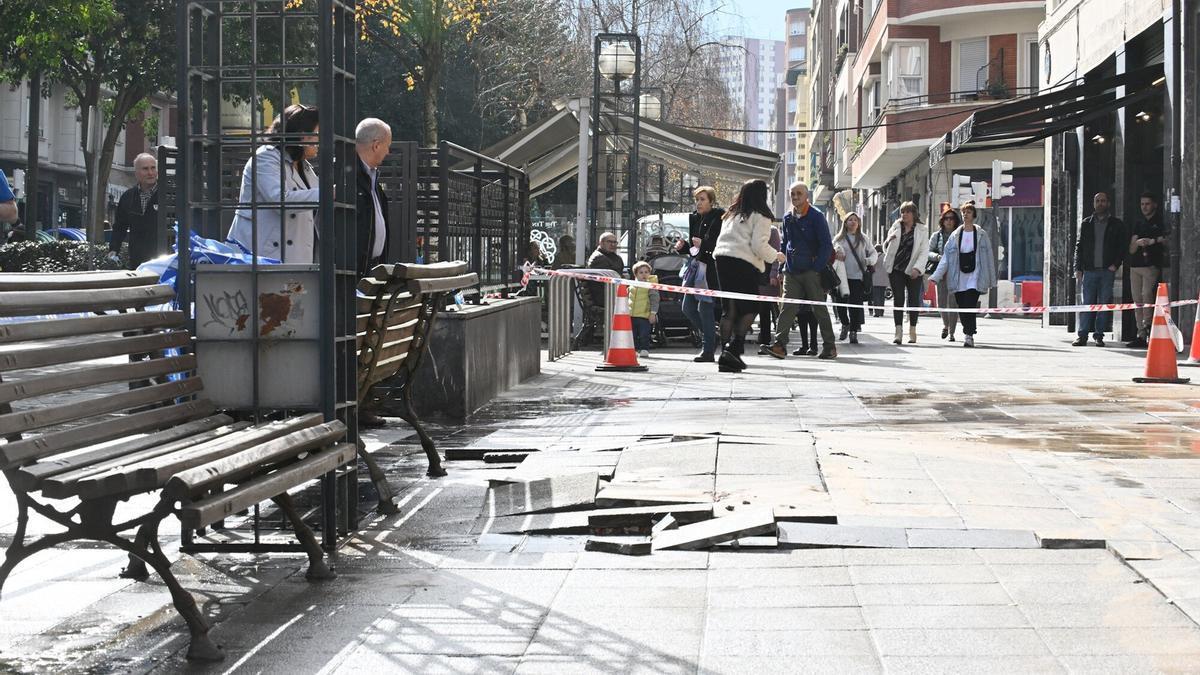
pixel 86 107
pixel 103 169
pixel 431 80
pixel 32 161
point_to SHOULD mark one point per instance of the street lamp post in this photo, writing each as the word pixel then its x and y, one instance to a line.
pixel 617 57
pixel 687 183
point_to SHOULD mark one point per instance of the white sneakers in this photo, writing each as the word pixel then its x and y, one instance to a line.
pixel 644 354
pixel 969 341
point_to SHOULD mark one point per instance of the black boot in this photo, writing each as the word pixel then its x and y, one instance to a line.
pixel 728 363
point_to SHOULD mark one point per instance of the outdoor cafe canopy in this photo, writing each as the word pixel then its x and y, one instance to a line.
pixel 549 150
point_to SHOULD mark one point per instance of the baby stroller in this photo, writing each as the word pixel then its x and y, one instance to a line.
pixel 672 324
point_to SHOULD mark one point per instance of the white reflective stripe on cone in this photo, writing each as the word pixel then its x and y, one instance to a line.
pixel 620 339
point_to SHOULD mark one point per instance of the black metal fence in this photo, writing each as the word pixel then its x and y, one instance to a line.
pixel 451 203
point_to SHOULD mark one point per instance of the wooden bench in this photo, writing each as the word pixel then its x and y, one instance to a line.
pixel 75 430
pixel 397 307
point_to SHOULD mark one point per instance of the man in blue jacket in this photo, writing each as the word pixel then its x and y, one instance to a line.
pixel 809 248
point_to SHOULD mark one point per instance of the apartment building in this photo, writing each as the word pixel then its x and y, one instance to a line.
pixel 792 143
pixel 1128 60
pixel 751 70
pixel 900 75
pixel 62 183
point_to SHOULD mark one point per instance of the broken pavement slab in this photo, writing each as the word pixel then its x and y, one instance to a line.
pixel 545 494
pixel 690 458
pixel 814 535
pixel 576 522
pixel 979 538
pixel 766 460
pixel 630 494
pixel 644 517
pixel 621 545
pixel 750 523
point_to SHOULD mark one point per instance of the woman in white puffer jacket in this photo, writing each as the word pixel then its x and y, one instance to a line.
pixel 742 253
pixel 855 256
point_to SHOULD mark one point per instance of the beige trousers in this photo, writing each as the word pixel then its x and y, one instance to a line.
pixel 1143 281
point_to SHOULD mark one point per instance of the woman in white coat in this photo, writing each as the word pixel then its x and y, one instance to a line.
pixel 905 252
pixel 277 174
pixel 854 254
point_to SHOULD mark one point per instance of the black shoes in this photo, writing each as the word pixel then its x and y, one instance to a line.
pixel 829 351
pixel 1099 340
pixel 1080 341
pixel 853 337
pixel 730 363
pixel 945 332
pixel 844 333
pixel 1137 343
pixel 704 357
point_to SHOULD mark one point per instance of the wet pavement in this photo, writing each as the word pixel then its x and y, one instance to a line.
pixel 1024 432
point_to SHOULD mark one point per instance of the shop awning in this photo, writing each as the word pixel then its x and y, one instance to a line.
pixel 1032 119
pixel 548 151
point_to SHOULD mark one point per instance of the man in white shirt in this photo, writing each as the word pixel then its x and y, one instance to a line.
pixel 373 139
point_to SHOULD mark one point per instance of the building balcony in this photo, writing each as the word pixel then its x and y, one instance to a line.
pixel 900 135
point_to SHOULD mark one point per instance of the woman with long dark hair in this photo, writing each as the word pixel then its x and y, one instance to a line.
pixel 277 173
pixel 742 253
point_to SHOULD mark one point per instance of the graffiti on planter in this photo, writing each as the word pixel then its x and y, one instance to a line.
pixel 227 310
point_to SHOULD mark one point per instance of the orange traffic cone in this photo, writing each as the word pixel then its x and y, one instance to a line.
pixel 1194 358
pixel 621 353
pixel 1160 357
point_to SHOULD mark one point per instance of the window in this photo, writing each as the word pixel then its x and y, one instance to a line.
pixel 791 106
pixel 873 100
pixel 972 67
pixel 791 158
pixel 907 71
pixel 796 54
pixel 799 28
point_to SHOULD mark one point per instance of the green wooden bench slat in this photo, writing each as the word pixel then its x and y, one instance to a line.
pixel 29 420
pixel 38 357
pixel 414 271
pixel 37 447
pixel 51 281
pixel 207 511
pixel 81 378
pixel 442 284
pixel 37 303
pixel 191 482
pixel 152 473
pixel 88 325
pixel 53 473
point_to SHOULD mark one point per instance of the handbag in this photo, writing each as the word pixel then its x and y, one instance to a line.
pixel 830 280
pixel 931 265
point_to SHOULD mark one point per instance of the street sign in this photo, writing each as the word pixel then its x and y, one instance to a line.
pixel 937 152
pixel 962 133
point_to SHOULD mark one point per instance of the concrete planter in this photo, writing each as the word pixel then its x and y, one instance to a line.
pixel 475 353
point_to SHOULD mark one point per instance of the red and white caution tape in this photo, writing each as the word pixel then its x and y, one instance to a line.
pixel 705 292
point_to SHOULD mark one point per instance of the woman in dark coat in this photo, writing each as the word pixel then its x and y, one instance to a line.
pixel 704 226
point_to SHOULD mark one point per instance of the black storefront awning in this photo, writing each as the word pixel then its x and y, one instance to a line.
pixel 1032 119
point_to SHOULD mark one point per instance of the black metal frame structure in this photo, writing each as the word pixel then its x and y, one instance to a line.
pixel 449 203
pixel 255 54
pixel 617 165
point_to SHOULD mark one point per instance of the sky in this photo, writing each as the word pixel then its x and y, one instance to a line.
pixel 756 18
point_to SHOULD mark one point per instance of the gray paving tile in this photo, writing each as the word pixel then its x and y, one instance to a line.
pixel 788 596
pixel 972 665
pixel 959 642
pixel 558 492
pixel 1141 664
pixel 932 594
pixel 1078 593
pixel 770 665
pixel 944 616
pixel 778 576
pixel 825 557
pixel 364 659
pixel 1110 641
pixel 1044 557
pixel 784 618
pixel 911 557
pixel 922 574
pixel 973 538
pixel 733 642
pixel 812 535
pixel 1105 615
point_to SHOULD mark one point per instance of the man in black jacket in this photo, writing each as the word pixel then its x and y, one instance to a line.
pixel 1147 258
pixel 137 214
pixel 372 138
pixel 604 258
pixel 1101 248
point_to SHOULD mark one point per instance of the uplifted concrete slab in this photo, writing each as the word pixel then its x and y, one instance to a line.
pixel 693 458
pixel 813 535
pixel 751 523
pixel 548 464
pixel 981 538
pixel 762 459
pixel 559 492
pixel 631 494
pixel 621 545
pixel 578 522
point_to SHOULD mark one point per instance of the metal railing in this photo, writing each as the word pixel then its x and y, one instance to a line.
pixel 566 312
